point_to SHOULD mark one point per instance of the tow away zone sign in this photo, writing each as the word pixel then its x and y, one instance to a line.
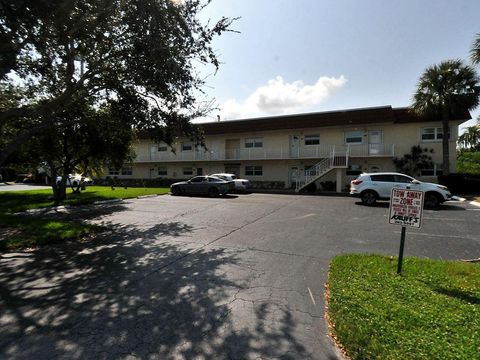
pixel 406 207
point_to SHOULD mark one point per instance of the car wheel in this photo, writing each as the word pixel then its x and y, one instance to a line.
pixel 176 191
pixel 213 192
pixel 369 197
pixel 431 200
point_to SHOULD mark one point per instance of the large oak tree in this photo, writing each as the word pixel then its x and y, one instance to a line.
pixel 134 57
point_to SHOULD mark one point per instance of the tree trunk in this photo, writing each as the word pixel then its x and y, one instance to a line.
pixel 59 188
pixel 445 142
pixel 59 192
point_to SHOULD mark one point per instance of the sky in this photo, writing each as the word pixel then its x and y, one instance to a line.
pixel 297 56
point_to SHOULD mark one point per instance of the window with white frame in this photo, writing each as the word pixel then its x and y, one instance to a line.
pixel 113 171
pixel 187 146
pixel 435 171
pixel 162 147
pixel 254 142
pixel 188 171
pixel 127 170
pixel 162 171
pixel 254 170
pixel 432 134
pixel 354 137
pixel 312 139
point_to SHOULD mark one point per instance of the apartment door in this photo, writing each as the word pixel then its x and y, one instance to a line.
pixel 375 142
pixel 153 152
pixel 294 146
pixel 232 149
pixel 293 175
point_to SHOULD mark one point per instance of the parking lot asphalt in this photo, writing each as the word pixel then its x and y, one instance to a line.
pixel 237 277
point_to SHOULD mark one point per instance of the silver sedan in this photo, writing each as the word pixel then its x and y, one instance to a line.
pixel 203 185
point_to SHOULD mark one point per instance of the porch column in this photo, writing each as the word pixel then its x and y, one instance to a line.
pixel 339 179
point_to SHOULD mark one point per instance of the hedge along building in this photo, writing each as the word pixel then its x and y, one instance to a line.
pixel 293 151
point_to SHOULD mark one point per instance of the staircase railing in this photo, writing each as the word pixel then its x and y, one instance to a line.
pixel 335 160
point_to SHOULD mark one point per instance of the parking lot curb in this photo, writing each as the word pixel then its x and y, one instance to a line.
pixel 65 207
pixel 292 192
pixel 147 196
pixel 112 201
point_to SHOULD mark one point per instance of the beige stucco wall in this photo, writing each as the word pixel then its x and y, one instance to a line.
pixel 401 136
pixel 408 135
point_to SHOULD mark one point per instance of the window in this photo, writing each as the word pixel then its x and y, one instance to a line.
pixel 432 134
pixel 402 179
pixel 187 146
pixel 112 171
pixel 354 137
pixel 187 171
pixel 198 179
pixel 254 170
pixel 354 169
pixel 127 171
pixel 162 171
pixel 312 139
pixel 383 178
pixel 436 171
pixel 162 147
pixel 254 143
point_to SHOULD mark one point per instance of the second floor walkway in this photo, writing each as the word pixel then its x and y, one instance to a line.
pixel 310 152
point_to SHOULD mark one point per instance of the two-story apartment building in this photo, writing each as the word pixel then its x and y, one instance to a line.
pixel 293 150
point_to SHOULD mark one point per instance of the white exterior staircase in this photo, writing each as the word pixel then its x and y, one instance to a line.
pixel 334 161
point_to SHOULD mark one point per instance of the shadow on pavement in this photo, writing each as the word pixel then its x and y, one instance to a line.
pixel 132 292
pixel 381 204
pixel 386 205
pixel 447 206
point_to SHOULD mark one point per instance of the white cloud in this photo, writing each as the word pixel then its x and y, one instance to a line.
pixel 279 97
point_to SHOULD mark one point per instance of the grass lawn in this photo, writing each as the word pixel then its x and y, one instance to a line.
pixel 15 201
pixel 26 231
pixel 18 232
pixel 431 311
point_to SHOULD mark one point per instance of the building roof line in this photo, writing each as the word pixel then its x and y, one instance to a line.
pixel 385 107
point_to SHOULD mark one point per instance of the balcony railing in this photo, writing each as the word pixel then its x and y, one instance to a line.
pixel 366 150
pixel 306 152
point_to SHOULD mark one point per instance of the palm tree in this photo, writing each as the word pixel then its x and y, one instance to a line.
pixel 475 51
pixel 444 91
pixel 470 139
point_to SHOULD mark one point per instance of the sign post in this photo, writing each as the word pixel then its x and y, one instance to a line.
pixel 406 207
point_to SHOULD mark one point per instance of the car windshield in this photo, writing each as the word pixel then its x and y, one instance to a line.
pixel 233 177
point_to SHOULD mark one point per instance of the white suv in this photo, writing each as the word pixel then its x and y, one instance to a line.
pixel 378 186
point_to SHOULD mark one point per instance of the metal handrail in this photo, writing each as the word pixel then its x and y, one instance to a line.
pixel 335 160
